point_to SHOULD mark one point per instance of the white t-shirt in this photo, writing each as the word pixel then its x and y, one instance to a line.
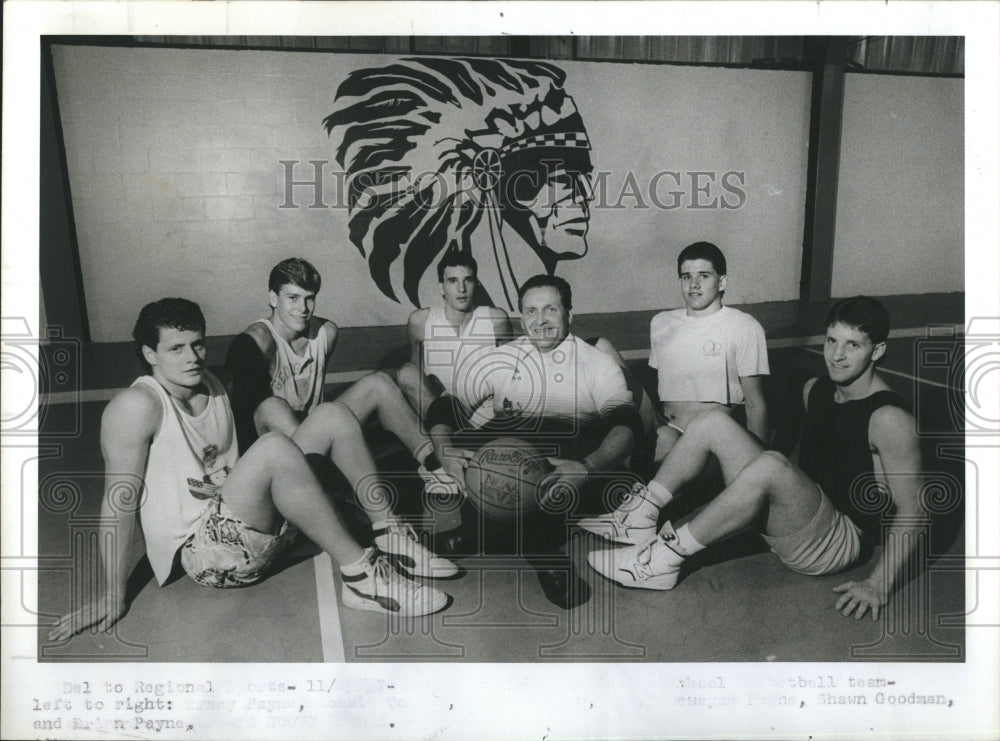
pixel 703 358
pixel 202 448
pixel 572 381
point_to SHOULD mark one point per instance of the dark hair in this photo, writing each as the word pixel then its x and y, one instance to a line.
pixel 703 251
pixel 863 314
pixel 295 271
pixel 457 259
pixel 167 313
pixel 542 281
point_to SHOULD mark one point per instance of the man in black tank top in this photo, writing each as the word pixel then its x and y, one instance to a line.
pixel 859 460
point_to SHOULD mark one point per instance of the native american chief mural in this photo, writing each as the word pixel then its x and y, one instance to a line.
pixel 484 156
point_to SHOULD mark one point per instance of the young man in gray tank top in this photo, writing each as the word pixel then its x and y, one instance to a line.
pixel 279 366
pixel 170 459
pixel 810 514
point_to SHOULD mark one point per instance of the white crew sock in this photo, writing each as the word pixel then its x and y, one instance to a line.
pixel 661 494
pixel 421 453
pixel 686 543
pixel 356 567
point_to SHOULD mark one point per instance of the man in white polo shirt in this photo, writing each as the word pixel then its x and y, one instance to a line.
pixel 561 394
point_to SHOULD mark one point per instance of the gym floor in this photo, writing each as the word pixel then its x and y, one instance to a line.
pixel 736 601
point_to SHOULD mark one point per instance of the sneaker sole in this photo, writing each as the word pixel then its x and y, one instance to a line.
pixel 356 602
pixel 654 583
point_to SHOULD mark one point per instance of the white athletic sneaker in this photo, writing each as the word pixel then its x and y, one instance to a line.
pixel 397 540
pixel 654 565
pixel 438 482
pixel 380 588
pixel 634 521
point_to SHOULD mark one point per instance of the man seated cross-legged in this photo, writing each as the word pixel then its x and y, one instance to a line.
pixel 171 464
pixel 278 366
pixel 857 442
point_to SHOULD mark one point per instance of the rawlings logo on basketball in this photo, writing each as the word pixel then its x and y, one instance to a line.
pixel 503 477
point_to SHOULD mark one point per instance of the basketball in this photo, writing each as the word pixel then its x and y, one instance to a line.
pixel 503 477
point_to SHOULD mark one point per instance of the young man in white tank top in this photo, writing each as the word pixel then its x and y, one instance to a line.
pixel 170 455
pixel 279 365
pixel 443 340
pixel 443 337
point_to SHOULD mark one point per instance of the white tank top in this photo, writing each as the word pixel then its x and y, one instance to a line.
pixel 447 351
pixel 201 448
pixel 298 379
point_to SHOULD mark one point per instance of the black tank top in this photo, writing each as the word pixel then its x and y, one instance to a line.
pixel 836 453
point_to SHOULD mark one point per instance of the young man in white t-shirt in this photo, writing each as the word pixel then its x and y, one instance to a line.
pixel 708 357
pixel 278 366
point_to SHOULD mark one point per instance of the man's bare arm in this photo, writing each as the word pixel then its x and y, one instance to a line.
pixel 415 335
pixel 127 428
pixel 503 330
pixel 891 433
pixel 756 407
pixel 334 332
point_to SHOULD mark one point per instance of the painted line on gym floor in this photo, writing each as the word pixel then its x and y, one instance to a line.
pixel 904 375
pixel 329 611
pixel 344 377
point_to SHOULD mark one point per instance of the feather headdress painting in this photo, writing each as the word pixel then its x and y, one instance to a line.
pixel 484 156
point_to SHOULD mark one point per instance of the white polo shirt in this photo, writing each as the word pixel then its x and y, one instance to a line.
pixel 572 381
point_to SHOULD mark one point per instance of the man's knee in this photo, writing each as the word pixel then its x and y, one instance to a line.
pixel 713 422
pixel 408 377
pixel 768 467
pixel 271 411
pixel 335 415
pixel 379 386
pixel 275 446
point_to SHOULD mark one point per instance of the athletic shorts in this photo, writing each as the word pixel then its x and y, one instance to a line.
pixel 223 551
pixel 829 543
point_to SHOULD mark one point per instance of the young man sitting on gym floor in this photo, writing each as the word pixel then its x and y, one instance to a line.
pixel 278 366
pixel 708 357
pixel 171 462
pixel 857 442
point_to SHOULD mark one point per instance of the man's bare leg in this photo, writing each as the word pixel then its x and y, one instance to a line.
pixel 712 433
pixel 274 414
pixel 331 429
pixel 767 486
pixel 418 389
pixel 377 394
pixel 273 481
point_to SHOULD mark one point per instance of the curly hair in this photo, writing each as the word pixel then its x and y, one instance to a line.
pixel 429 146
pixel 167 313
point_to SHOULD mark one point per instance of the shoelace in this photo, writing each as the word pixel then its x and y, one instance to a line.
pixel 405 530
pixel 383 573
pixel 645 554
pixel 625 509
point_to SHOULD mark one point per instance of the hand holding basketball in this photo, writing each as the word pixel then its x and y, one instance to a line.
pixel 566 472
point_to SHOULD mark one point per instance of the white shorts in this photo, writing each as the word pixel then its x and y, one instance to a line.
pixel 829 543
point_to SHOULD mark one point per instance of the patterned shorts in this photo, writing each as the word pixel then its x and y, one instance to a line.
pixel 223 551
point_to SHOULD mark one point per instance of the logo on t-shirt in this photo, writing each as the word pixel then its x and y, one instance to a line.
pixel 712 348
